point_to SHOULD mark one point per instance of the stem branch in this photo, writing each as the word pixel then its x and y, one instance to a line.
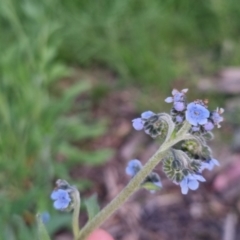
pixel 132 186
pixel 76 211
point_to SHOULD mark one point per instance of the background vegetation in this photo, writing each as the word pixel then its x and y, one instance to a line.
pixel 147 44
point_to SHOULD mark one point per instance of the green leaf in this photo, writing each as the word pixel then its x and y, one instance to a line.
pixel 92 206
pixel 76 155
pixel 75 90
pixel 42 231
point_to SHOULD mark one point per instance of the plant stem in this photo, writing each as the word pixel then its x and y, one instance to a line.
pixel 132 186
pixel 76 211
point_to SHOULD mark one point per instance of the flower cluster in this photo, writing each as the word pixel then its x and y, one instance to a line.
pixel 179 105
pixel 153 124
pixel 196 113
pixel 186 161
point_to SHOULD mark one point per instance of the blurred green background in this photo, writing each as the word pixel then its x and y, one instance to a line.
pixel 45 110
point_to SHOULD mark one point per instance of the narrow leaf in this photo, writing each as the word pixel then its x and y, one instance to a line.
pixel 42 231
pixel 92 206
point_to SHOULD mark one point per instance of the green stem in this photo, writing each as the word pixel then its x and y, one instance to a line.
pixel 132 186
pixel 76 211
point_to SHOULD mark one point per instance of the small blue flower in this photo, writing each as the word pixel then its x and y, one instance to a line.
pixel 197 114
pixel 139 122
pixel 133 167
pixel 45 217
pixel 177 96
pixel 216 116
pixel 209 126
pixel 191 182
pixel 179 106
pixel 61 199
pixel 209 165
pixel 179 119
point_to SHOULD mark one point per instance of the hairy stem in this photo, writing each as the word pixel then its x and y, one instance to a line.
pixel 76 211
pixel 132 186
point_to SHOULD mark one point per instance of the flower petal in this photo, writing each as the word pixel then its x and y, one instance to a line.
pixel 184 186
pixel 208 126
pixel 193 184
pixel 55 194
pixel 179 106
pixel 137 124
pixel 174 91
pixel 168 100
pixel 199 177
pixel 60 204
pixel 202 121
pixel 185 90
pixel 147 114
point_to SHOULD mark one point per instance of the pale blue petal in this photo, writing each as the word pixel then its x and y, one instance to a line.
pixel 200 178
pixel 190 119
pixel 179 106
pixel 196 177
pixel 202 121
pixel 174 91
pixel 215 161
pixel 205 165
pixel 179 119
pixel 137 124
pixel 178 97
pixel 209 126
pixel 193 184
pixel 184 186
pixel 168 100
pixel 60 205
pixel 147 114
pixel 54 195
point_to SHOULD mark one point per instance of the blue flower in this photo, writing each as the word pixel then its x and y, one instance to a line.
pixel 179 119
pixel 45 217
pixel 209 126
pixel 139 122
pixel 191 182
pixel 179 106
pixel 197 114
pixel 209 165
pixel 133 167
pixel 177 96
pixel 61 199
pixel 216 116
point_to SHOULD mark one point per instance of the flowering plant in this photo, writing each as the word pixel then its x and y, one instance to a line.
pixel 184 153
